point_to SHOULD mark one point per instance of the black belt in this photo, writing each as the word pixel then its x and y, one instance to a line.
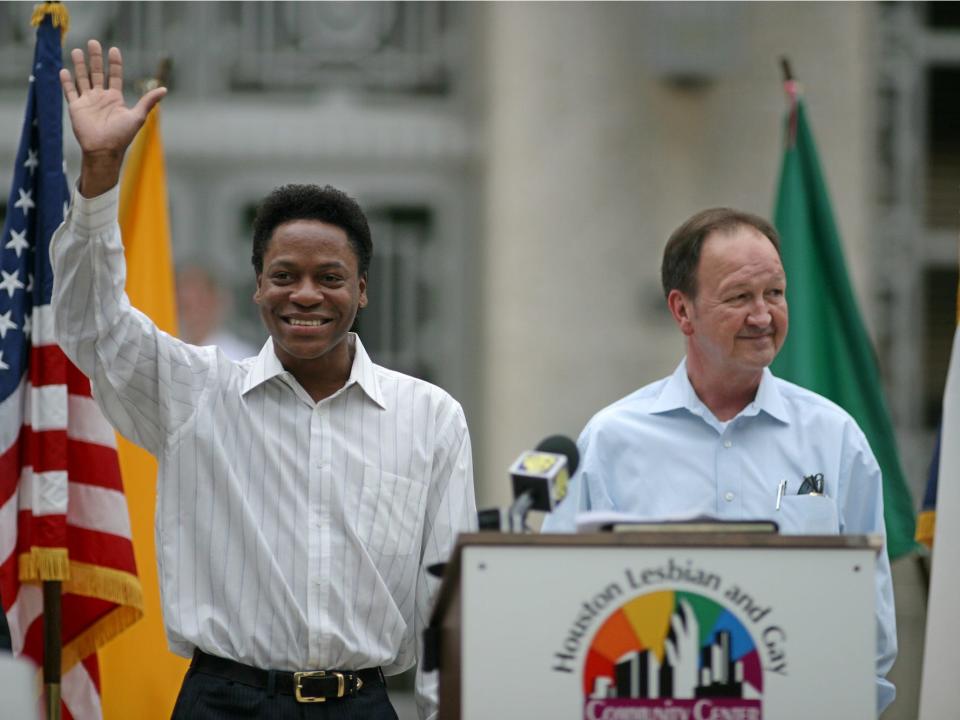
pixel 307 686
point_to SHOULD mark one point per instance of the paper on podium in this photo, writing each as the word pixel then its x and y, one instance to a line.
pixel 614 521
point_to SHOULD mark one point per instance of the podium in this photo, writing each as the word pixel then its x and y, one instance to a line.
pixel 664 625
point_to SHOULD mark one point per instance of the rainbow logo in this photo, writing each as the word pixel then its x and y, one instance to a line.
pixel 677 651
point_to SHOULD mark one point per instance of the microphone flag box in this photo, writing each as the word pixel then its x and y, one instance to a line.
pixel 544 475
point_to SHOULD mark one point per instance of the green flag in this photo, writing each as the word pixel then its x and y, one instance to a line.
pixel 827 349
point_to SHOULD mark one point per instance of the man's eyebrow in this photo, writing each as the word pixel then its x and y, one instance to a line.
pixel 737 284
pixel 286 262
pixel 747 282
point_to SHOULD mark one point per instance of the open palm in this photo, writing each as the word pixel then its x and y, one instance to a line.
pixel 101 121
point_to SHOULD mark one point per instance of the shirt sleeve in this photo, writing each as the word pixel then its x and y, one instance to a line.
pixel 451 509
pixel 587 490
pixel 146 382
pixel 861 508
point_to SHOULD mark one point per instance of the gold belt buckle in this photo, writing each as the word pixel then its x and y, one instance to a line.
pixel 297 687
pixel 341 685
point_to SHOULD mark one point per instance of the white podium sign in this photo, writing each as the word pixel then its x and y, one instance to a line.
pixel 769 627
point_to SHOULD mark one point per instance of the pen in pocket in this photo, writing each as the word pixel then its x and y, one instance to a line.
pixel 781 489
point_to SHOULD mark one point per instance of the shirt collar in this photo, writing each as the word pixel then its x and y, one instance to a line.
pixel 363 372
pixel 769 399
pixel 678 393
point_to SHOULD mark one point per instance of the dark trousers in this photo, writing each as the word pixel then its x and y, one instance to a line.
pixel 208 697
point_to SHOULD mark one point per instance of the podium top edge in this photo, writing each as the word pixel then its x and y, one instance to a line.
pixel 666 540
pixel 675 539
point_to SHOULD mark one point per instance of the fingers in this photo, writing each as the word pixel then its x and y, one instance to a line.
pixel 686 612
pixel 116 70
pixel 679 629
pixel 92 78
pixel 672 655
pixel 95 53
pixel 66 82
pixel 80 70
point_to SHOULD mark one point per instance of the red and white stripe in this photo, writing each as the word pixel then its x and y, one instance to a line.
pixel 60 486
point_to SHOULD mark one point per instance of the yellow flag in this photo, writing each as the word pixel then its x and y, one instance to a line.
pixel 140 677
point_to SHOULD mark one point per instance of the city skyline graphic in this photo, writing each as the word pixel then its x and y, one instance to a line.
pixel 673 648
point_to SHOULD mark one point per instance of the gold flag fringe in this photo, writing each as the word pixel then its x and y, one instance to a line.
pixel 44 564
pixel 79 578
pixel 92 639
pixel 105 583
pixel 58 16
pixel 98 635
pixel 926 526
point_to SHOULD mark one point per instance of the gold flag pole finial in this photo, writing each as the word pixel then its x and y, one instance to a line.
pixel 160 78
pixel 58 16
pixel 792 88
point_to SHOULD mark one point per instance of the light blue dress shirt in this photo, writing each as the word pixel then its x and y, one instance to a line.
pixel 661 453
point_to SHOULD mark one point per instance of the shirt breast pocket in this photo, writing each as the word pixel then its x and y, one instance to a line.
pixel 808 515
pixel 391 513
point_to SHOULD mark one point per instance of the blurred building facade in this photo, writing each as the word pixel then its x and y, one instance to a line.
pixel 523 163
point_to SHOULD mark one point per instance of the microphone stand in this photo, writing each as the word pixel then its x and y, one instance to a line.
pixel 518 512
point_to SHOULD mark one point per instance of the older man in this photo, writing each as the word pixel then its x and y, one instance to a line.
pixel 718 435
pixel 302 492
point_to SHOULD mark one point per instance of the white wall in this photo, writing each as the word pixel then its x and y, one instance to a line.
pixel 594 157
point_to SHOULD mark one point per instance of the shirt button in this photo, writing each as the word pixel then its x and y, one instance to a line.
pixel 728 497
pixel 727 443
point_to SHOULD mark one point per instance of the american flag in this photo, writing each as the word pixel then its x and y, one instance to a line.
pixel 63 514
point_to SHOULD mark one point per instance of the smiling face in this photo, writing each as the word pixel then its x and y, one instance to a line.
pixel 737 322
pixel 309 292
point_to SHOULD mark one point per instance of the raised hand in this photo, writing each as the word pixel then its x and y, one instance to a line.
pixel 103 125
pixel 683 650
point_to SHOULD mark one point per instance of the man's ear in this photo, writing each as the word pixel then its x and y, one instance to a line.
pixel 363 291
pixel 256 290
pixel 681 307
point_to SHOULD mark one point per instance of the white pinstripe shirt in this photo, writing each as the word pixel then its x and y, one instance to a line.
pixel 291 534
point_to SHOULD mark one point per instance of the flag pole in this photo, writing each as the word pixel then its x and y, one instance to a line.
pixel 787 70
pixel 52 588
pixel 52 645
pixel 792 89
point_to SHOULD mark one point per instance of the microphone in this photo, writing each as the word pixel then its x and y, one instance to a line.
pixel 543 474
pixel 539 479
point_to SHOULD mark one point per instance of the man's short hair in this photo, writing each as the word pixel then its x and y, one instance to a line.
pixel 681 256
pixel 312 202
